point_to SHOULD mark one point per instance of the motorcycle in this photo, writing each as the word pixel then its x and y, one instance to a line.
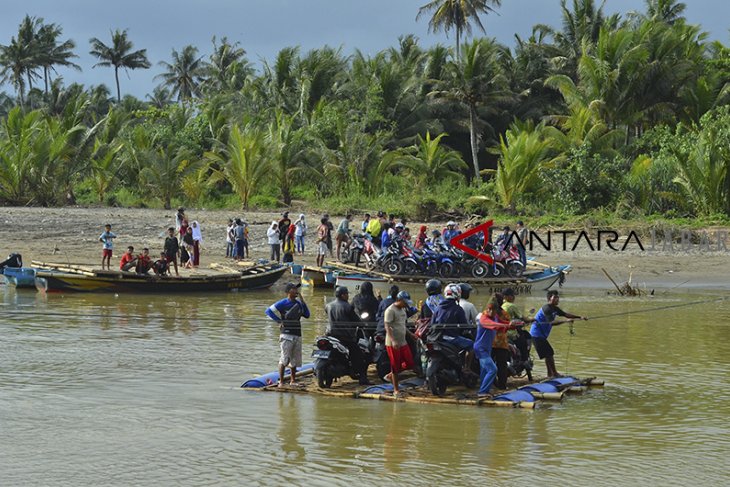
pixel 518 365
pixel 382 360
pixel 353 250
pixel 507 261
pixel 13 260
pixel 447 366
pixel 332 358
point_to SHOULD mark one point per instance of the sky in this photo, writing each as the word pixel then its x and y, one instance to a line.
pixel 263 27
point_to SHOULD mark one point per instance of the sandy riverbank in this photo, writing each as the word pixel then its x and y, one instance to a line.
pixel 71 235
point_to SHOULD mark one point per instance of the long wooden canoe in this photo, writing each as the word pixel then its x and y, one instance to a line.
pixel 258 277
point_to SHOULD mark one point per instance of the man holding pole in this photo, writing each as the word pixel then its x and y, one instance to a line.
pixel 543 324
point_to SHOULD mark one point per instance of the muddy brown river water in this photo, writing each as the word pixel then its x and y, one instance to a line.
pixel 144 390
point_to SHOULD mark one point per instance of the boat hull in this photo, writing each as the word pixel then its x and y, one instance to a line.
pixel 544 280
pixel 20 277
pixel 354 282
pixel 55 281
pixel 318 277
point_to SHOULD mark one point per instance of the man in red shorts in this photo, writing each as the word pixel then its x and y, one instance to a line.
pixel 396 344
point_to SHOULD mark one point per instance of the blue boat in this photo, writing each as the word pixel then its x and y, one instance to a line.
pixel 20 277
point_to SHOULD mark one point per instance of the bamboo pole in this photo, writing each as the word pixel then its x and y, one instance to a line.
pixel 596 382
pixel 577 389
pixel 548 396
pixel 612 281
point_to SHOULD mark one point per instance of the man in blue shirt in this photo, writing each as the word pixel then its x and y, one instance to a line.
pixel 288 313
pixel 543 324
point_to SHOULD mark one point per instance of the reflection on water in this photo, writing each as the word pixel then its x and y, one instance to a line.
pixel 127 390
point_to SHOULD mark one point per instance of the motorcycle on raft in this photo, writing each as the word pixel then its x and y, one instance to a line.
pixel 332 358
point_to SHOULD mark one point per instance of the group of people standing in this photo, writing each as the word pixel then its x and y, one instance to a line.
pixel 191 240
pixel 446 315
pixel 287 238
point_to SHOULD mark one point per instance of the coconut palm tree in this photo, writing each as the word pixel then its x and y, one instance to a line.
pixel 15 58
pixel 53 53
pixel 458 15
pixel 160 97
pixel 184 75
pixel 227 68
pixel 668 11
pixel 476 80
pixel 287 151
pixel 119 55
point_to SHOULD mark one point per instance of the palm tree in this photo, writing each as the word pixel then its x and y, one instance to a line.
pixel 52 53
pixel 524 151
pixel 668 11
pixel 184 74
pixel 227 68
pixel 458 15
pixel 242 161
pixel 119 55
pixel 430 161
pixel 14 61
pixel 287 149
pixel 160 97
pixel 476 80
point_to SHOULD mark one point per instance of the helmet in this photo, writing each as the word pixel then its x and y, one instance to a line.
pixel 452 291
pixel 341 291
pixel 403 296
pixel 399 225
pixel 451 223
pixel 466 290
pixel 433 286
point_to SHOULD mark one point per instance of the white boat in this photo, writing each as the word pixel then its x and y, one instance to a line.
pixel 546 278
pixel 354 281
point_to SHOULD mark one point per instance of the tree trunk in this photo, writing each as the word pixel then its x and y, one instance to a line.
pixel 458 39
pixel 168 202
pixel 45 78
pixel 474 141
pixel 119 96
pixel 286 194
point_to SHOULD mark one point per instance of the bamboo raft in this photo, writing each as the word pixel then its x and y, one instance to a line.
pixel 414 390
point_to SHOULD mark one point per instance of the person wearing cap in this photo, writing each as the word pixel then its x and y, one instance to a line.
pixel 543 324
pixel 288 312
pixel 342 324
pixel 396 344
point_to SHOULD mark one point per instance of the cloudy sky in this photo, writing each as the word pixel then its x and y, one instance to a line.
pixel 265 26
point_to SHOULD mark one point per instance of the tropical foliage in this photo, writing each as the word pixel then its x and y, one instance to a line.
pixel 601 111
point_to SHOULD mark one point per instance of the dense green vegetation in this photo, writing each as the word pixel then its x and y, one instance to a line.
pixel 623 115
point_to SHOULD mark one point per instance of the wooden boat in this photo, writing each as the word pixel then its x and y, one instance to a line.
pixel 59 277
pixel 546 278
pixel 353 282
pixel 320 277
pixel 539 280
pixel 20 277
